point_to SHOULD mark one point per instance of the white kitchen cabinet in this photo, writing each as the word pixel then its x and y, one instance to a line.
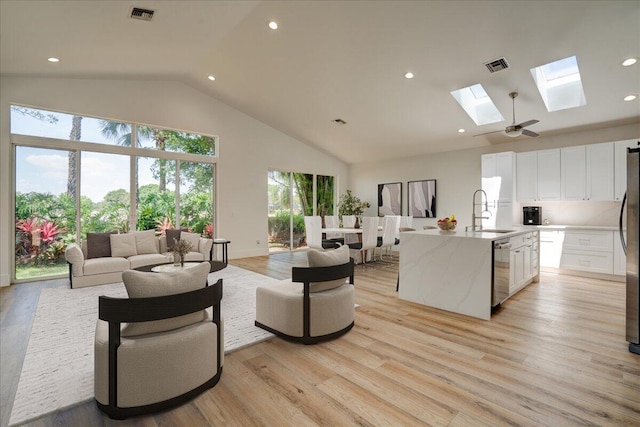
pixel 620 166
pixel 535 254
pixel 538 175
pixel 498 182
pixel 587 172
pixel 599 172
pixel 498 176
pixel 573 172
pixel 523 262
pixel 551 247
pixel 588 250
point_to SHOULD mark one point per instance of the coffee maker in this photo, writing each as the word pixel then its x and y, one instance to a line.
pixel 531 215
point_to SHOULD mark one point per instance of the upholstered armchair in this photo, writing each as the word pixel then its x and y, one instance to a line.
pixel 316 304
pixel 161 346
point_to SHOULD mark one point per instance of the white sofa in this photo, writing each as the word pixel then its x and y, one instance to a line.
pixel 146 249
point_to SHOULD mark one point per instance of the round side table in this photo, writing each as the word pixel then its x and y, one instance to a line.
pixel 225 253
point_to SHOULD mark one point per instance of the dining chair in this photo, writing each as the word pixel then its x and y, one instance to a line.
pixel 313 231
pixel 406 221
pixel 369 238
pixel 388 238
pixel 332 221
pixel 348 220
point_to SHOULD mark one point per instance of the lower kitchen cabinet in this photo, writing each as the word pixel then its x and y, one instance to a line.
pixel 523 260
pixel 586 250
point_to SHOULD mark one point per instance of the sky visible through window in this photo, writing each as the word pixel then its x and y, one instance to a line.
pixel 45 170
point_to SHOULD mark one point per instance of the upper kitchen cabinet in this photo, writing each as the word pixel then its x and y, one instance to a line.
pixel 587 172
pixel 620 166
pixel 498 176
pixel 538 175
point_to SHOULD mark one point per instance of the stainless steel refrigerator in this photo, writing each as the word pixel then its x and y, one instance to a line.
pixel 631 248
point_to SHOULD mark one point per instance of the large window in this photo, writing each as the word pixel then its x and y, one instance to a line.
pixel 103 176
pixel 291 198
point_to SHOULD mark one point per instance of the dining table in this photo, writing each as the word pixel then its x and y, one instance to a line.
pixel 351 235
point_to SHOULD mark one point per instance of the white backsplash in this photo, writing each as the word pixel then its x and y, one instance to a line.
pixel 577 213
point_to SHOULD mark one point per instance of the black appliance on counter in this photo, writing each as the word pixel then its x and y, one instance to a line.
pixel 531 215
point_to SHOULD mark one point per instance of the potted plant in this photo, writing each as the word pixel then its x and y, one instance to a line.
pixel 352 205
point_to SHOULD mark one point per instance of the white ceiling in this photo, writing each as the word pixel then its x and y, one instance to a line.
pixel 345 59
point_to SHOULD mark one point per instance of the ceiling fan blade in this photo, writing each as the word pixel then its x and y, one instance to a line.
pixel 529 133
pixel 528 123
pixel 487 133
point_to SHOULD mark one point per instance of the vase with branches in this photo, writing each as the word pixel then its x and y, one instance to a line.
pixel 180 248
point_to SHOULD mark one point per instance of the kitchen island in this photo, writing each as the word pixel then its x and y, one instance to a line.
pixel 454 271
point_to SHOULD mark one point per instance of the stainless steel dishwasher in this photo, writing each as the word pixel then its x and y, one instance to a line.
pixel 501 271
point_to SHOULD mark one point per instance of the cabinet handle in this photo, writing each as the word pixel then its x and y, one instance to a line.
pixel 585 262
pixel 585 242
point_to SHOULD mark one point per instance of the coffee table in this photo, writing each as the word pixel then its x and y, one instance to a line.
pixel 214 266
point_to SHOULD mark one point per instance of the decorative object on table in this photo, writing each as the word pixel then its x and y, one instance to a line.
pixel 422 198
pixel 180 248
pixel 448 224
pixel 352 205
pixel 390 199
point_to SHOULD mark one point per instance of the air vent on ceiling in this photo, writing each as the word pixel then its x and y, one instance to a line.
pixel 497 64
pixel 339 122
pixel 144 14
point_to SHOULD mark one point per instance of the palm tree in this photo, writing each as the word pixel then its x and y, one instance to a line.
pixel 74 135
pixel 121 133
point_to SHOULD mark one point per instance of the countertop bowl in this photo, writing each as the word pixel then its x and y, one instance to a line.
pixel 447 226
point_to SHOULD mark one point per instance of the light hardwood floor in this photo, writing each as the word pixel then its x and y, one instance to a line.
pixel 555 355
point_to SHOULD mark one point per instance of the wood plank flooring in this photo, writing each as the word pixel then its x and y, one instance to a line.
pixel 555 355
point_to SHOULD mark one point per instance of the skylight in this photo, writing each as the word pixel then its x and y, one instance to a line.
pixel 559 84
pixel 478 105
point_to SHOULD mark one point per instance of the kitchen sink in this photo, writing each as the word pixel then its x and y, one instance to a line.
pixel 493 230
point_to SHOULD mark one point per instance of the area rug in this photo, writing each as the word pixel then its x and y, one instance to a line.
pixel 58 368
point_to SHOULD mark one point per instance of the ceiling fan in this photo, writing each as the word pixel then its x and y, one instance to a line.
pixel 514 129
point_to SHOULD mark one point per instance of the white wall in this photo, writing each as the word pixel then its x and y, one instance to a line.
pixel 458 176
pixel 248 148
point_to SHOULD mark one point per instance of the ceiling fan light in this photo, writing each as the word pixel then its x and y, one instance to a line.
pixel 513 132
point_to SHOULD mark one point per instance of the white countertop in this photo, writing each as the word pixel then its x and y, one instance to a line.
pixel 460 233
pixel 481 234
pixel 572 227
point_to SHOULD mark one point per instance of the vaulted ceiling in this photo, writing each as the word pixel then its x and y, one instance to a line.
pixel 346 60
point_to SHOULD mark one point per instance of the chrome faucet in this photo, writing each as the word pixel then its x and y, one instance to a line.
pixel 474 217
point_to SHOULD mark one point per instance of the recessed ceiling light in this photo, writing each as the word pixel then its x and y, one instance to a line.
pixel 408 75
pixel 461 130
pixel 273 25
pixel 52 59
pixel 630 97
pixel 211 77
pixel 629 61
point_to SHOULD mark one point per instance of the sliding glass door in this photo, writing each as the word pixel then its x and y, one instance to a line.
pixel 45 214
pixel 291 198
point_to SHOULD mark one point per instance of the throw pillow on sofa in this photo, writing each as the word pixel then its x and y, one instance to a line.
pixel 146 242
pixel 193 238
pixel 173 236
pixel 98 245
pixel 145 285
pixel 123 245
